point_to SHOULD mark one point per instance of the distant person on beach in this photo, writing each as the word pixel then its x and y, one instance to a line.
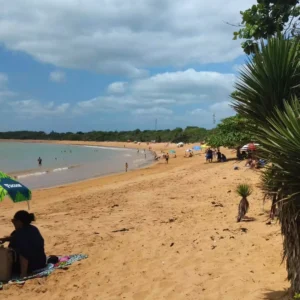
pixel 219 154
pixel 27 243
pixel 145 155
pixel 167 158
pixel 209 155
pixel 138 151
pixel 40 161
pixel 126 167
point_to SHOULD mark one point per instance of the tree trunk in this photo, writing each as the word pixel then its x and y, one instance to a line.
pixel 290 229
pixel 273 207
pixel 243 208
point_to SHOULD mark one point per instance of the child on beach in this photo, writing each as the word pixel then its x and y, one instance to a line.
pixel 126 167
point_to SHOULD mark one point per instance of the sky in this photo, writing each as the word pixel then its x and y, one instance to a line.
pixel 82 65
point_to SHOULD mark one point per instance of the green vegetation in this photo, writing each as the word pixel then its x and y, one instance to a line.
pixel 266 19
pixel 232 132
pixel 188 135
pixel 267 95
pixel 244 191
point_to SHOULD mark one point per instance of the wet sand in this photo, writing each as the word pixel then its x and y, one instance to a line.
pixel 182 242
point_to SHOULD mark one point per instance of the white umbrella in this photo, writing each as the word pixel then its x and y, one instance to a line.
pixel 245 147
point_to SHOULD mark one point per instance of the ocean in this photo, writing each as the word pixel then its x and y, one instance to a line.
pixel 63 164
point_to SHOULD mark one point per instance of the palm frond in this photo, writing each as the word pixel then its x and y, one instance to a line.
pixel 244 190
pixel 269 79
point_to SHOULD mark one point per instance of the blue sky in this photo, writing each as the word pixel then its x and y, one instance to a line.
pixel 115 65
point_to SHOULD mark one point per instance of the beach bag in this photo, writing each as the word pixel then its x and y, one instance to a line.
pixel 6 263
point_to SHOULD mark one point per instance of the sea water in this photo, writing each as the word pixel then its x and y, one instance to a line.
pixel 62 164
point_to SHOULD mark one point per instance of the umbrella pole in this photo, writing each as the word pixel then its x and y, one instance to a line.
pixel 28 205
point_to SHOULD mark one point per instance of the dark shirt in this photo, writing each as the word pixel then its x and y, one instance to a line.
pixel 29 243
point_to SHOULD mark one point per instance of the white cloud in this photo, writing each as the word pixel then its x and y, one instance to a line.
pixel 152 111
pixel 221 110
pixel 3 80
pixel 164 90
pixel 5 93
pixel 33 108
pixel 117 87
pixel 122 37
pixel 57 76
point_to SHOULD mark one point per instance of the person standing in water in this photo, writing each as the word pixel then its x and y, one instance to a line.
pixel 126 167
pixel 40 161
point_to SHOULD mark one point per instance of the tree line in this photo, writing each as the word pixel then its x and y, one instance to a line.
pixel 190 134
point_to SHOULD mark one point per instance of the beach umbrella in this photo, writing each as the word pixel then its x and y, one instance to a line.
pixel 197 148
pixel 172 151
pixel 204 146
pixel 14 189
pixel 249 147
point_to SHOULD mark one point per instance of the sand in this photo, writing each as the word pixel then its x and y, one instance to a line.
pixel 183 240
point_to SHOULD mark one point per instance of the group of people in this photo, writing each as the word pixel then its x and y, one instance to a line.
pixel 254 163
pixel 210 154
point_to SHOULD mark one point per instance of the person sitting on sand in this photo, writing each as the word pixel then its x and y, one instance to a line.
pixel 27 243
pixel 223 158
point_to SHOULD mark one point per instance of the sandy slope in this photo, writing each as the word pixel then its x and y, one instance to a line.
pixel 180 245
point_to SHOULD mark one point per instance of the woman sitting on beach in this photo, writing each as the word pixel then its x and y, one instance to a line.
pixel 28 244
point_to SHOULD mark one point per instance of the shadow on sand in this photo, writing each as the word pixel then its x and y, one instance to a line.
pixel 277 295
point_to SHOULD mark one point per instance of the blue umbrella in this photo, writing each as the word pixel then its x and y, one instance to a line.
pixel 197 148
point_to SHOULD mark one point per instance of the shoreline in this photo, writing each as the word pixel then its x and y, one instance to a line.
pixel 18 175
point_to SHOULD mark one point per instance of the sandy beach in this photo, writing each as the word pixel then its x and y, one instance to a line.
pixel 182 242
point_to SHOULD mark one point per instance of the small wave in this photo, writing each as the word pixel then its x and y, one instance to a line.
pixel 60 169
pixel 107 148
pixel 31 174
pixel 128 155
pixel 44 172
pixel 137 162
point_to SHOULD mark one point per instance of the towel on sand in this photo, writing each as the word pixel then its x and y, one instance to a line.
pixel 63 262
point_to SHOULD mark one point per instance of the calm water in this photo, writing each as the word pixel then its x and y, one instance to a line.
pixel 64 163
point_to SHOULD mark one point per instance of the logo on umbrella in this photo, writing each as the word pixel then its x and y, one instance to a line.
pixel 11 186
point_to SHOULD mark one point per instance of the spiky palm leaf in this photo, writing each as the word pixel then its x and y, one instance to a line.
pixel 267 84
pixel 268 79
pixel 282 144
pixel 244 190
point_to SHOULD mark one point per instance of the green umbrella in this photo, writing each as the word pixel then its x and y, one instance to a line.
pixel 172 151
pixel 14 189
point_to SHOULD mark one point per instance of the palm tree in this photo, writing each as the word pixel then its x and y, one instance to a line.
pixel 267 94
pixel 244 191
